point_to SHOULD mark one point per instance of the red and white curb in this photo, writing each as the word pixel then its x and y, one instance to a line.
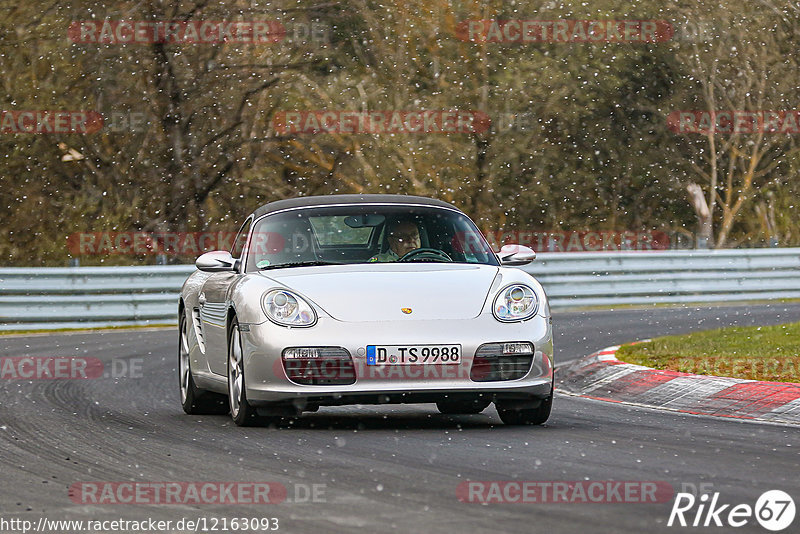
pixel 602 376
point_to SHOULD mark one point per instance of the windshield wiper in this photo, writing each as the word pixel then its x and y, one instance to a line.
pixel 299 264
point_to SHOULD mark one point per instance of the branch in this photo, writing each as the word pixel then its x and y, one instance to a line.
pixel 237 117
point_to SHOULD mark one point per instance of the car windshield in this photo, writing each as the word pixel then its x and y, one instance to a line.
pixel 366 234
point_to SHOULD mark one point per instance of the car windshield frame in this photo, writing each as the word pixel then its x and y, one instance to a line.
pixel 480 250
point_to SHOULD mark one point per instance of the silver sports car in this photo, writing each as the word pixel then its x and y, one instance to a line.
pixel 364 299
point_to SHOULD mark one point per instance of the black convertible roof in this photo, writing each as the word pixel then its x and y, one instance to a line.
pixel 301 202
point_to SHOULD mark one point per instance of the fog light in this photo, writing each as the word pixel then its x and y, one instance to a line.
pixel 517 348
pixel 301 354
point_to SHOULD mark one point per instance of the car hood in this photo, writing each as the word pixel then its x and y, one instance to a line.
pixel 381 291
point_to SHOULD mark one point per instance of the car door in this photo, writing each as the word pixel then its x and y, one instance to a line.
pixel 214 304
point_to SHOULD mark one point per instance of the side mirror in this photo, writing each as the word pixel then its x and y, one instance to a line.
pixel 514 255
pixel 216 261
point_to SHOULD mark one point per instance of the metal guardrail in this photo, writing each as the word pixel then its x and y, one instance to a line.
pixel 87 297
pixel 614 278
pixel 74 297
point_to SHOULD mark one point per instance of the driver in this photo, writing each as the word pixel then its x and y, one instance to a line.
pixel 403 237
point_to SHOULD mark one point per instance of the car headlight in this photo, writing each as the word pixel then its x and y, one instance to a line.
pixel 287 309
pixel 515 303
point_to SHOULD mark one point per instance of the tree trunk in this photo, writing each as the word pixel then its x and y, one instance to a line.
pixel 704 226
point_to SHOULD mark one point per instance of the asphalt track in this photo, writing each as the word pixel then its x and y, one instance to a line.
pixel 385 468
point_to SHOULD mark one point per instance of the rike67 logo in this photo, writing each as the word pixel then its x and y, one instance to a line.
pixel 774 510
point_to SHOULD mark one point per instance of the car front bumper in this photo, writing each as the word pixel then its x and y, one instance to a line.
pixel 266 380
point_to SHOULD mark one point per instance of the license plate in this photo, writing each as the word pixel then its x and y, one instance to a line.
pixel 413 354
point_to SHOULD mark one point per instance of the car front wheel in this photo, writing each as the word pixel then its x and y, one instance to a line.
pixel 242 412
pixel 516 414
pixel 194 401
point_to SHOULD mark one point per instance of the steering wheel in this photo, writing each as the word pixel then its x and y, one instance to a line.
pixel 425 254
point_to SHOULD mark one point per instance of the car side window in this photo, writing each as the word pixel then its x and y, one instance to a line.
pixel 241 237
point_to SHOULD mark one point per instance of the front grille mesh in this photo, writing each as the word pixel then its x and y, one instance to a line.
pixel 490 364
pixel 333 367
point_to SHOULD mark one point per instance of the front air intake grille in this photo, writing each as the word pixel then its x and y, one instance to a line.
pixel 319 366
pixel 492 364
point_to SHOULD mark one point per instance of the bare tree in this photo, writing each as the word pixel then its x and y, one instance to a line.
pixel 742 70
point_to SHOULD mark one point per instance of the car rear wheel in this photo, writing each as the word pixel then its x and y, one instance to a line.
pixel 242 412
pixel 450 407
pixel 194 401
pixel 519 414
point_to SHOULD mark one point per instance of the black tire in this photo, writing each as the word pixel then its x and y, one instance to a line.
pixel 242 412
pixel 449 407
pixel 194 401
pixel 519 415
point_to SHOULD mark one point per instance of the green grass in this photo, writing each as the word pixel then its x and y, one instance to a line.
pixel 770 353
